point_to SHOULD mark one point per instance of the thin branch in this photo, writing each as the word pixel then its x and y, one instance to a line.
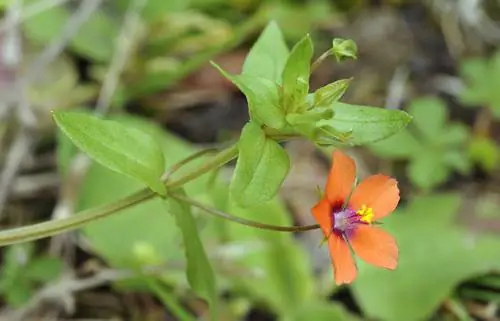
pixel 243 221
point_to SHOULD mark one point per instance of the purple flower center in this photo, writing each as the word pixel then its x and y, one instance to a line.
pixel 345 220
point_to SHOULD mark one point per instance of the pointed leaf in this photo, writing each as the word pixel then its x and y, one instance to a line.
pixel 128 151
pixel 262 96
pixel 296 74
pixel 327 95
pixel 199 271
pixel 268 55
pixel 366 124
pixel 261 168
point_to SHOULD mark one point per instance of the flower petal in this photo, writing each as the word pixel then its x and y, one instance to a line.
pixel 375 246
pixel 341 178
pixel 344 269
pixel 322 215
pixel 379 192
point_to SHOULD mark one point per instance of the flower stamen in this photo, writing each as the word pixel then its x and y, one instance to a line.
pixel 366 214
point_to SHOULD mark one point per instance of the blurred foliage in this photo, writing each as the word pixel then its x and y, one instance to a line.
pixel 482 77
pixel 22 272
pixel 436 254
pixel 433 146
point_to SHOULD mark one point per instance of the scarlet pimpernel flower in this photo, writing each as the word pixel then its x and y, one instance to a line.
pixel 348 218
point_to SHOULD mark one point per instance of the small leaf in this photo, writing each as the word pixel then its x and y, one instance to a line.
pixel 268 55
pixel 327 95
pixel 309 117
pixel 296 74
pixel 199 271
pixel 427 170
pixel 96 37
pixel 344 49
pixel 125 150
pixel 366 124
pixel 262 96
pixel 485 152
pixel 43 269
pixel 429 116
pixel 261 168
pixel 454 135
pixel 457 159
pixel 19 293
pixel 46 25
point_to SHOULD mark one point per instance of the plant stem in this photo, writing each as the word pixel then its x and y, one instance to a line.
pixel 49 228
pixel 320 59
pixel 243 221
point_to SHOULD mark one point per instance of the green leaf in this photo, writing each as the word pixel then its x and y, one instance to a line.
pixel 296 74
pixel 19 294
pixel 344 49
pixel 97 36
pixel 117 238
pixel 309 117
pixel 366 124
pixel 43 269
pixel 94 39
pixel 261 168
pixel 262 96
pixel 199 271
pixel 482 78
pixel 427 170
pixel 485 152
pixel 156 9
pixel 457 160
pixel 454 135
pixel 327 95
pixel 46 25
pixel 125 150
pixel 268 55
pixel 435 256
pixel 400 146
pixel 429 116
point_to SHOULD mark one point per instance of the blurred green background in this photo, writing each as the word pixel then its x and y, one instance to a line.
pixel 145 63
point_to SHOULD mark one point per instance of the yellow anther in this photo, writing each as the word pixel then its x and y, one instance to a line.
pixel 366 214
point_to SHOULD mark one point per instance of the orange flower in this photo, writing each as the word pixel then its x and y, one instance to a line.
pixel 347 219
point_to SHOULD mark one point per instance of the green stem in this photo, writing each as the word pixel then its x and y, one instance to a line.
pixel 320 59
pixel 243 221
pixel 49 228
